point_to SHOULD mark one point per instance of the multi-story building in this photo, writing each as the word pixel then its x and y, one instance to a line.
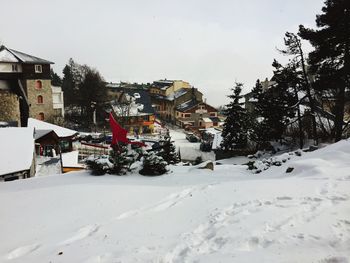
pixel 57 100
pixel 25 87
pixel 168 94
pixel 133 110
pixel 197 115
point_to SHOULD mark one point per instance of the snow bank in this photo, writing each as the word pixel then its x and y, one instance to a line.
pixel 187 215
pixel 41 125
pixel 17 149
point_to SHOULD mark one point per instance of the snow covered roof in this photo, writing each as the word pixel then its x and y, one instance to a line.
pixel 208 120
pixel 16 149
pixel 70 159
pixel 187 105
pixel 41 133
pixel 177 94
pixel 7 56
pixel 60 131
pixel 140 103
pixel 14 56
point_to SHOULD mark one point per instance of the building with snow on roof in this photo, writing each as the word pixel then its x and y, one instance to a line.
pixel 133 109
pixel 25 87
pixel 17 153
pixel 196 115
pixel 168 94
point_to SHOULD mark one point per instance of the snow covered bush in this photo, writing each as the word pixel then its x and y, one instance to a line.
pixel 99 165
pixel 119 161
pixel 153 165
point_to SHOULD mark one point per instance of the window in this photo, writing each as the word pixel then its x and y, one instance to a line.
pixel 40 99
pixel 41 116
pixel 213 114
pixel 38 69
pixel 14 68
pixel 187 115
pixel 38 84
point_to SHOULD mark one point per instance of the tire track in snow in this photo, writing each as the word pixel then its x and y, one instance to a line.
pixel 82 233
pixel 210 237
pixel 168 202
pixel 22 251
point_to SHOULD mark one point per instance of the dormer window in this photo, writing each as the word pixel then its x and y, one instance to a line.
pixel 38 69
pixel 14 68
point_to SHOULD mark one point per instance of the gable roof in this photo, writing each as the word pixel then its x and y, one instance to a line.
pixel 41 125
pixel 177 94
pixel 142 99
pixel 14 56
pixel 187 105
pixel 17 149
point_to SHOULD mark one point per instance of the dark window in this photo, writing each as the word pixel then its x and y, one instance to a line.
pixel 38 84
pixel 38 69
pixel 41 116
pixel 40 99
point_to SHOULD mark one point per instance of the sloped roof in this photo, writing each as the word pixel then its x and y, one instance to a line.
pixel 187 105
pixel 16 149
pixel 177 94
pixel 41 133
pixel 141 97
pixel 7 56
pixel 14 56
pixel 41 125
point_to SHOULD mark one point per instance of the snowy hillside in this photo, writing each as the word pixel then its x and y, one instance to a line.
pixel 189 215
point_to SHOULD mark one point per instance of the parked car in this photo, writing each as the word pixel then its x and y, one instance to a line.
pixel 97 137
pixel 191 137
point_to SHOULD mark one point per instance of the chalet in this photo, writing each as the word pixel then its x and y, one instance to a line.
pixel 165 105
pixel 134 111
pixel 43 131
pixel 196 114
pixel 25 87
pixel 17 153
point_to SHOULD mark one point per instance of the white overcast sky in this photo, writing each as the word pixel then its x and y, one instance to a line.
pixel 210 43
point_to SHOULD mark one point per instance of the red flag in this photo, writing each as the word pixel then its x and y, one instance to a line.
pixel 119 134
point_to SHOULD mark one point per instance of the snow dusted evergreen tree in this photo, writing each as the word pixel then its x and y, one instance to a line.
pixel 118 161
pixel 273 110
pixel 330 59
pixel 236 124
pixel 153 164
pixel 168 150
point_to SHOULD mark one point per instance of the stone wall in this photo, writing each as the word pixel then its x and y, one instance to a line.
pixel 9 107
pixel 46 92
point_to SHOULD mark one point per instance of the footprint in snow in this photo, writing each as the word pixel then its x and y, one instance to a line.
pixel 21 251
pixel 82 233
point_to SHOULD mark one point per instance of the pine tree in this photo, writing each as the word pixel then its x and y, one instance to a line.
pixel 168 150
pixel 153 164
pixel 55 79
pixel 68 86
pixel 273 110
pixel 296 75
pixel 235 127
pixel 330 59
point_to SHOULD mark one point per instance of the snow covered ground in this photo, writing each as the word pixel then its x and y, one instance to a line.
pixel 189 151
pixel 188 215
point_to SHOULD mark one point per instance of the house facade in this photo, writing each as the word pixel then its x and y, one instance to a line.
pixel 25 84
pixel 197 115
pixel 166 95
pixel 133 109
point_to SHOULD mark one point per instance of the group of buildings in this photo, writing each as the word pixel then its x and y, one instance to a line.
pixel 172 101
pixel 30 104
pixel 26 92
